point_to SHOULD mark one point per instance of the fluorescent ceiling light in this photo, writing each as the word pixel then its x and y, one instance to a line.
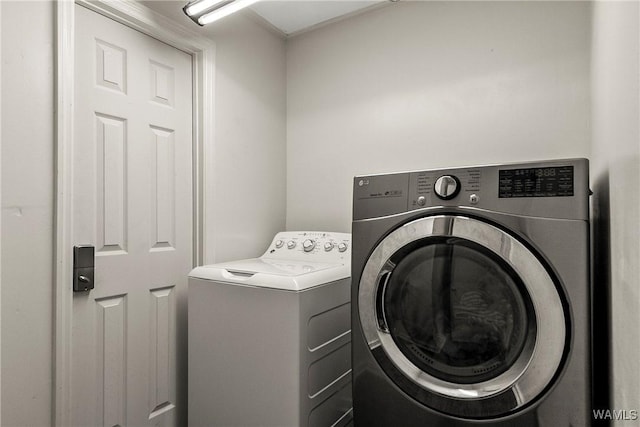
pixel 226 10
pixel 196 8
pixel 207 11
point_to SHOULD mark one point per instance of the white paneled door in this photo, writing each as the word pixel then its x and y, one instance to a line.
pixel 132 200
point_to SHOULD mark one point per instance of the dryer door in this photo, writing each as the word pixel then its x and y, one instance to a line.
pixel 463 316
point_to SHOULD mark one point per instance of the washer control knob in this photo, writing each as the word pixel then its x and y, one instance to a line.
pixel 308 245
pixel 328 246
pixel 422 201
pixel 279 244
pixel 447 187
pixel 342 247
pixel 291 244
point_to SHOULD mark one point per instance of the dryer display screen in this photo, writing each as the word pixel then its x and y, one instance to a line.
pixel 536 182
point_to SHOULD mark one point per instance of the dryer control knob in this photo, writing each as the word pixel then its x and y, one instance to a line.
pixel 291 244
pixel 279 244
pixel 308 245
pixel 328 246
pixel 342 247
pixel 447 187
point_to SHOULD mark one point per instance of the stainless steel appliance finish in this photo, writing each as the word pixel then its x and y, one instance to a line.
pixel 471 296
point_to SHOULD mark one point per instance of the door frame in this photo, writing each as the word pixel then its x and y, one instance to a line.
pixel 0 212
pixel 202 51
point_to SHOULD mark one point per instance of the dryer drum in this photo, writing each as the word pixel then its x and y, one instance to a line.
pixel 456 310
pixel 462 316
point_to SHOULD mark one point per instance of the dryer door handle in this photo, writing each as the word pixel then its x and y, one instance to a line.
pixel 383 280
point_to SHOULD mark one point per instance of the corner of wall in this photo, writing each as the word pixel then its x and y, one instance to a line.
pixel 615 67
pixel 1 61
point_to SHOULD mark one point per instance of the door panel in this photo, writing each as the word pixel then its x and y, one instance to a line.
pixel 111 360
pixel 111 183
pixel 133 200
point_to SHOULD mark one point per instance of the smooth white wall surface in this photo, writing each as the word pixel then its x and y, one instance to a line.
pixel 27 212
pixel 418 85
pixel 616 184
pixel 250 147
pixel 0 217
pixel 249 175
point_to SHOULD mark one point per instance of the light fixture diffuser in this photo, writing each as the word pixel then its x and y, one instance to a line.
pixel 205 12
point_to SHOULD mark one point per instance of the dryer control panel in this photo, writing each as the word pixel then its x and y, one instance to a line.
pixel 314 246
pixel 430 187
pixel 552 189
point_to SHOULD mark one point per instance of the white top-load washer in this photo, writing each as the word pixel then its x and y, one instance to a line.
pixel 269 337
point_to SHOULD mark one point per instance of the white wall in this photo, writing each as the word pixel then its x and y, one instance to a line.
pixel 249 176
pixel 0 219
pixel 250 171
pixel 616 184
pixel 27 212
pixel 431 84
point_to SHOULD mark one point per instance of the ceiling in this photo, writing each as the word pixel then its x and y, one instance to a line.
pixel 294 16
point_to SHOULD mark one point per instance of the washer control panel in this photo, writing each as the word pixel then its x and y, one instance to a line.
pixel 318 246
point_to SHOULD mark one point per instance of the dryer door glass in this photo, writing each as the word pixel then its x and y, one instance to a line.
pixel 456 310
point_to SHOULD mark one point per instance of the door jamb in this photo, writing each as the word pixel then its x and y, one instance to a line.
pixel 0 210
pixel 202 50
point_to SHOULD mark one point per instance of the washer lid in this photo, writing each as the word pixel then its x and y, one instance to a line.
pixel 272 273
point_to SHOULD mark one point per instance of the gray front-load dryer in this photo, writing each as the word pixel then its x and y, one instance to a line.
pixel 471 297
